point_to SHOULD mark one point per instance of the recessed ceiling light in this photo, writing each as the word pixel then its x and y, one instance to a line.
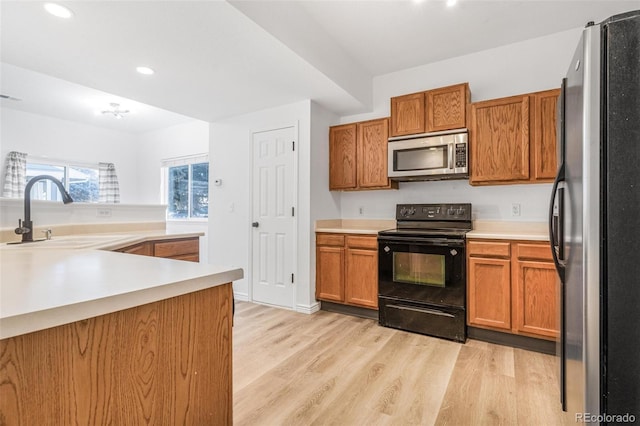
pixel 451 2
pixel 58 10
pixel 145 70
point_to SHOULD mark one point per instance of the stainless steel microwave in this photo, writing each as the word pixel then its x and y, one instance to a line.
pixel 429 156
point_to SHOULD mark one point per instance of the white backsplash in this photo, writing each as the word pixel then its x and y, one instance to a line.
pixel 488 202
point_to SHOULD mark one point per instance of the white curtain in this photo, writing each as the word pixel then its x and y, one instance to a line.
pixel 108 183
pixel 14 178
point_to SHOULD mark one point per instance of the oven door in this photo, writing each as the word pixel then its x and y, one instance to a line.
pixel 431 271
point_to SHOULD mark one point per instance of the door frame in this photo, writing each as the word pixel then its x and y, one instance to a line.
pixel 296 135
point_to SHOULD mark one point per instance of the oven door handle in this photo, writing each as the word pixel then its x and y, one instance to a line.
pixel 441 242
pixel 422 310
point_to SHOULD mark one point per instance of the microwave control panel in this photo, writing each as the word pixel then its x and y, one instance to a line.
pixel 461 155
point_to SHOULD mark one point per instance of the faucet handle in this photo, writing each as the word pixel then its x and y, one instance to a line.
pixel 47 233
pixel 21 229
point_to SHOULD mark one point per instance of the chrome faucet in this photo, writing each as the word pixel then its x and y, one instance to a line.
pixel 25 227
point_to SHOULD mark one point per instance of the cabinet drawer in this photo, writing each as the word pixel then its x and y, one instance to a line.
pixel 144 249
pixel 488 248
pixel 172 248
pixel 534 251
pixel 368 242
pixel 330 240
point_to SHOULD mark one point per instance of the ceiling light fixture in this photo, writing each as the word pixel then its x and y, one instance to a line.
pixel 451 3
pixel 145 70
pixel 58 10
pixel 115 110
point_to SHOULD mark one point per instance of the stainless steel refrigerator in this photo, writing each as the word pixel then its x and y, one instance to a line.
pixel 595 223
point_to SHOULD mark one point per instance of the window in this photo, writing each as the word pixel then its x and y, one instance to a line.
pixel 186 191
pixel 81 181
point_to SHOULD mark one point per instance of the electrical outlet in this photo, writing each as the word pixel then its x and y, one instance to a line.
pixel 361 210
pixel 104 212
pixel 515 209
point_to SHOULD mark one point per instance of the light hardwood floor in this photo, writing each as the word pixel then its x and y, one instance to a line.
pixel 333 369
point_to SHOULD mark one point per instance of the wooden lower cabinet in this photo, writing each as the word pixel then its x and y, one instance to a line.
pixel 347 269
pixel 180 249
pixel 512 287
pixel 163 363
pixel 489 292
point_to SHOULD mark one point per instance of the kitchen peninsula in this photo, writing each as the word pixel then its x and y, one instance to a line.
pixel 96 337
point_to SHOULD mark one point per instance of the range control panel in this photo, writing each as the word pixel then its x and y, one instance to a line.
pixel 428 212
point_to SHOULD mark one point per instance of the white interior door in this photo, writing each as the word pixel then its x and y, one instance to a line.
pixel 273 217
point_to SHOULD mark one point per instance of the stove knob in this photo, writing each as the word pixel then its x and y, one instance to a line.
pixel 403 211
pixel 412 211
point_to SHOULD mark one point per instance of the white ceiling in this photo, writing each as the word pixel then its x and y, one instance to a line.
pixel 216 59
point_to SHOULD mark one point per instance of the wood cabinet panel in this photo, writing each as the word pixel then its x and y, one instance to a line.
pixel 489 288
pixel 534 251
pixel 543 141
pixel 363 242
pixel 500 140
pixel 372 161
pixel 342 157
pixel 167 362
pixel 144 249
pixel 173 248
pixel 330 240
pixel 330 273
pixel 408 114
pixel 536 299
pixel 361 274
pixel 489 248
pixel 446 107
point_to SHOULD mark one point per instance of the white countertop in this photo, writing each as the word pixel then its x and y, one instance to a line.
pixel 530 231
pixel 42 288
pixel 102 241
pixel 354 226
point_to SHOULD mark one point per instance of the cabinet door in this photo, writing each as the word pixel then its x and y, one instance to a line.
pixel 500 140
pixel 407 114
pixel 446 107
pixel 361 278
pixel 489 293
pixel 536 299
pixel 372 153
pixel 342 157
pixel 330 273
pixel 543 135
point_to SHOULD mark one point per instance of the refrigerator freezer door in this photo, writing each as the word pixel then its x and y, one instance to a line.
pixel 621 180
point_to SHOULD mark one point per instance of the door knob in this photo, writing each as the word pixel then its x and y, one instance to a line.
pixel 255 224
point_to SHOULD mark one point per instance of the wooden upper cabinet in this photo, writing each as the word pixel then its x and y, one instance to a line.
pixel 342 157
pixel 513 140
pixel 372 153
pixel 408 114
pixel 544 163
pixel 500 140
pixel 358 156
pixel 446 107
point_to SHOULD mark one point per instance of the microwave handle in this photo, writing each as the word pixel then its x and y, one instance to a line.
pixel 450 148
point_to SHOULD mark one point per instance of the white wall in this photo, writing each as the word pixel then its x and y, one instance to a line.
pixel 529 66
pixel 176 141
pixel 44 136
pixel 229 214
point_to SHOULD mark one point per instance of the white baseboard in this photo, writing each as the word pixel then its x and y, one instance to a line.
pixel 242 297
pixel 308 309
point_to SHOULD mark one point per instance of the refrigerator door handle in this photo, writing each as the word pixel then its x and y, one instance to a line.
pixel 556 229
